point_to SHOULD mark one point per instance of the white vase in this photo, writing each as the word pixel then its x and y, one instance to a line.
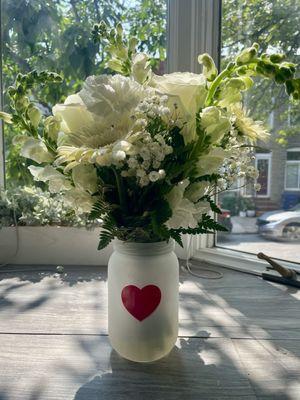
pixel 143 280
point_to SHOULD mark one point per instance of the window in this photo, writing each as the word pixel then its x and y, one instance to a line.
pixel 263 165
pixel 259 221
pixel 292 170
pixel 193 28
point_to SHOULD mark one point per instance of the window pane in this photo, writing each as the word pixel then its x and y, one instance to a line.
pixel 56 35
pixel 293 155
pixel 274 25
pixel 263 179
pixel 292 176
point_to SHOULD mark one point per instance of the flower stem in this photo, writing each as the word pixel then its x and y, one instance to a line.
pixel 227 72
pixel 121 192
pixel 214 86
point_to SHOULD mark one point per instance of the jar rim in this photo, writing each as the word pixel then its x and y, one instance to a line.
pixel 144 249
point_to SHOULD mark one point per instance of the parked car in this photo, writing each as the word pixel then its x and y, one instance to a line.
pixel 225 219
pixel 280 224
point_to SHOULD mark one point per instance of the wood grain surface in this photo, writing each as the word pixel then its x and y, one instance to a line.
pixel 239 338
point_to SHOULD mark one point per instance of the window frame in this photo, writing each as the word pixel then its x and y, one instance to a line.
pixel 265 156
pixel 292 162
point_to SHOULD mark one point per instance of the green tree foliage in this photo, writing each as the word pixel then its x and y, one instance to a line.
pixel 56 35
pixel 273 24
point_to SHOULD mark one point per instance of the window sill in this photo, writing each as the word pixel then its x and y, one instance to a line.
pixel 236 260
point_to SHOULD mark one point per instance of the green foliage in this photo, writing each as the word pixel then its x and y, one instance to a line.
pixel 33 206
pixel 147 22
pixel 26 116
pixel 117 46
pixel 249 62
pixel 56 35
pixel 108 232
pixel 207 225
pixel 271 24
pixel 213 205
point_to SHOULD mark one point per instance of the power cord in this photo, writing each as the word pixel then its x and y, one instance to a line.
pixel 188 265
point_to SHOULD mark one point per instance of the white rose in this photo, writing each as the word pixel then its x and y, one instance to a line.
pixel 215 124
pixel 85 177
pixel 35 149
pixel 210 163
pixel 190 89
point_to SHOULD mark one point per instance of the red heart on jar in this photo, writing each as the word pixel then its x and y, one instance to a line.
pixel 141 303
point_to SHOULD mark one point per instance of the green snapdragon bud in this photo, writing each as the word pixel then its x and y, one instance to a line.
pixel 34 115
pixel 132 44
pixel 209 68
pixel 241 71
pixel 279 78
pixel 247 55
pixel 11 91
pixel 7 118
pixel 119 29
pixel 286 72
pixel 112 35
pixel 21 103
pixel 277 58
pixel 266 69
pixel 293 88
pixel 52 127
pixel 115 64
pixel 237 83
pixel 120 51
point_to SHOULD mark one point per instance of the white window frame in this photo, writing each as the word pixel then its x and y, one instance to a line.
pixel 292 162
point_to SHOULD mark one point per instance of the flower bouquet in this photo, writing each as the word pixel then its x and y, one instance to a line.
pixel 147 154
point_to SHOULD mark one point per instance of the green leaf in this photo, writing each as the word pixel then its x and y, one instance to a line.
pixel 105 238
pixel 177 237
pixel 213 205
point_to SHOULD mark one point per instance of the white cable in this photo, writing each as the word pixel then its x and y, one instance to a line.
pixel 188 265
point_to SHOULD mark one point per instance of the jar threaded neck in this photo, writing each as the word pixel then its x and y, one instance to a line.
pixel 144 249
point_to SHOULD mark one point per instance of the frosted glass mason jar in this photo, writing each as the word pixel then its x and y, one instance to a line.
pixel 143 280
